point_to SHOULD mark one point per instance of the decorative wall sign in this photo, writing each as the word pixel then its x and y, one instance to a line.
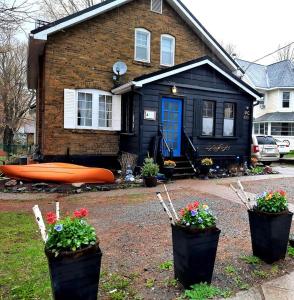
pixel 246 113
pixel 150 115
pixel 218 148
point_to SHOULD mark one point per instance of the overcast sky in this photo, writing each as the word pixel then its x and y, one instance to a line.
pixel 256 27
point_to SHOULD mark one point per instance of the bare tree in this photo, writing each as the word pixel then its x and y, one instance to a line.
pixel 55 9
pixel 15 98
pixel 13 13
pixel 230 48
pixel 285 53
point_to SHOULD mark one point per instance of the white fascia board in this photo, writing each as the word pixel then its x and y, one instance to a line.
pixel 42 35
pixel 202 31
pixel 188 67
pixel 123 88
pixel 276 88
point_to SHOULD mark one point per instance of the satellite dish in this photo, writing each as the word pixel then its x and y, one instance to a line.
pixel 120 68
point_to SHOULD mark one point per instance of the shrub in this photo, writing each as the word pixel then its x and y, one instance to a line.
pixel 272 202
pixel 169 163
pixel 206 162
pixel 149 169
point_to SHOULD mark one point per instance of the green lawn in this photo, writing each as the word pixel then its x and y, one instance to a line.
pixel 290 155
pixel 23 265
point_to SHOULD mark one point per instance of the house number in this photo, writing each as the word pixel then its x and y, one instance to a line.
pixel 218 148
pixel 150 115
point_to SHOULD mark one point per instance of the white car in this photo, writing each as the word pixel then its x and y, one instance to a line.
pixel 283 146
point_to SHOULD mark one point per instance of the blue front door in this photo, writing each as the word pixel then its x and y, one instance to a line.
pixel 171 118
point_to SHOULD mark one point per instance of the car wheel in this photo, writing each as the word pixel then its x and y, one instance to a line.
pixel 282 155
pixel 266 163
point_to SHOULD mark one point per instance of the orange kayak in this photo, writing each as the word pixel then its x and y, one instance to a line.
pixel 58 172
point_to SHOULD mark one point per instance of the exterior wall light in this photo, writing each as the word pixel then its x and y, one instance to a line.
pixel 174 90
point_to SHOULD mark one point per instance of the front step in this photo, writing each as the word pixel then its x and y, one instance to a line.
pixel 183 168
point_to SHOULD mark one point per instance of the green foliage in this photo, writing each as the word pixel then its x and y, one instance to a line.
pixel 291 251
pixel 23 264
pixel 197 216
pixel 272 202
pixel 251 259
pixel 149 169
pixel 257 170
pixel 260 273
pixel 70 234
pixel 204 291
pixel 170 282
pixel 206 161
pixel 167 265
pixel 230 270
pixel 150 283
pixel 274 269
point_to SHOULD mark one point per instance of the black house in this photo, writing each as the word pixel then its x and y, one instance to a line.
pixel 192 110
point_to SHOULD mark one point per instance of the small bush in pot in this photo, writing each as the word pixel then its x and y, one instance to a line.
pixel 74 256
pixel 195 240
pixel 149 172
pixel 270 222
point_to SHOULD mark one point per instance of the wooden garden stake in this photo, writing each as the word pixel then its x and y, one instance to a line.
pixel 57 210
pixel 40 222
pixel 245 202
pixel 165 208
pixel 170 202
pixel 243 191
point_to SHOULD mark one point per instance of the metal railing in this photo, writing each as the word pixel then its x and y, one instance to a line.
pixel 190 150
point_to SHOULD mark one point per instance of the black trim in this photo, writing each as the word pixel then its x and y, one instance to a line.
pixel 190 62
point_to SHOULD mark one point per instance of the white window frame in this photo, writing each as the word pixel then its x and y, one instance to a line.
pixel 95 109
pixel 151 2
pixel 173 49
pixel 230 118
pixel 148 44
pixel 282 96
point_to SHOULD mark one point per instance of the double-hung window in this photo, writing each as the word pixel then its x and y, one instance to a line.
pixel 167 50
pixel 105 111
pixel 142 45
pixel 229 119
pixel 286 100
pixel 84 117
pixel 208 113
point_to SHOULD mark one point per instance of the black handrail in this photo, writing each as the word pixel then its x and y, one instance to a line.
pixel 190 150
pixel 165 145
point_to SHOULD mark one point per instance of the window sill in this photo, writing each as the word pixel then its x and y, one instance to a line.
pixel 165 67
pixel 83 130
pixel 127 133
pixel 142 63
pixel 217 137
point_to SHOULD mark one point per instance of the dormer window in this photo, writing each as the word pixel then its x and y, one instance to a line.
pixel 156 6
pixel 142 45
pixel 167 50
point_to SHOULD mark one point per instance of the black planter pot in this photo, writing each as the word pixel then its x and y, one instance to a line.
pixel 204 171
pixel 168 172
pixel 75 275
pixel 150 181
pixel 194 255
pixel 269 234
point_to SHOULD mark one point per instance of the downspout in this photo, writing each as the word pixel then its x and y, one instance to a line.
pixel 141 95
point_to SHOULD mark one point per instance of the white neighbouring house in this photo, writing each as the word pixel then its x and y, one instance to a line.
pixel 275 113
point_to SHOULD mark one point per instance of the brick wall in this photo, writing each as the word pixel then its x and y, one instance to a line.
pixel 83 56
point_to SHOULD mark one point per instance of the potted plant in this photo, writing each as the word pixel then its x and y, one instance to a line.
pixel 205 165
pixel 270 222
pixel 74 256
pixel 254 161
pixel 149 172
pixel 168 169
pixel 195 240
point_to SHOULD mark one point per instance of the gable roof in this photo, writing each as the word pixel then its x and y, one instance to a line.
pixel 279 74
pixel 42 33
pixel 145 79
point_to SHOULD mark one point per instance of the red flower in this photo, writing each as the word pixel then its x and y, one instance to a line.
pixel 84 212
pixel 282 193
pixel 77 214
pixel 196 204
pixel 51 218
pixel 182 212
pixel 190 207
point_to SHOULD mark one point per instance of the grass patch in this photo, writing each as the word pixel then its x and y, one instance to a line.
pixel 251 259
pixel 230 270
pixel 260 274
pixel 204 291
pixel 150 283
pixel 170 282
pixel 274 270
pixel 290 155
pixel 167 265
pixel 291 251
pixel 23 265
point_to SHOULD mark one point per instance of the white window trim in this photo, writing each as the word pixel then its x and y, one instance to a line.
pixel 154 10
pixel 282 99
pixel 148 44
pixel 173 49
pixel 95 109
